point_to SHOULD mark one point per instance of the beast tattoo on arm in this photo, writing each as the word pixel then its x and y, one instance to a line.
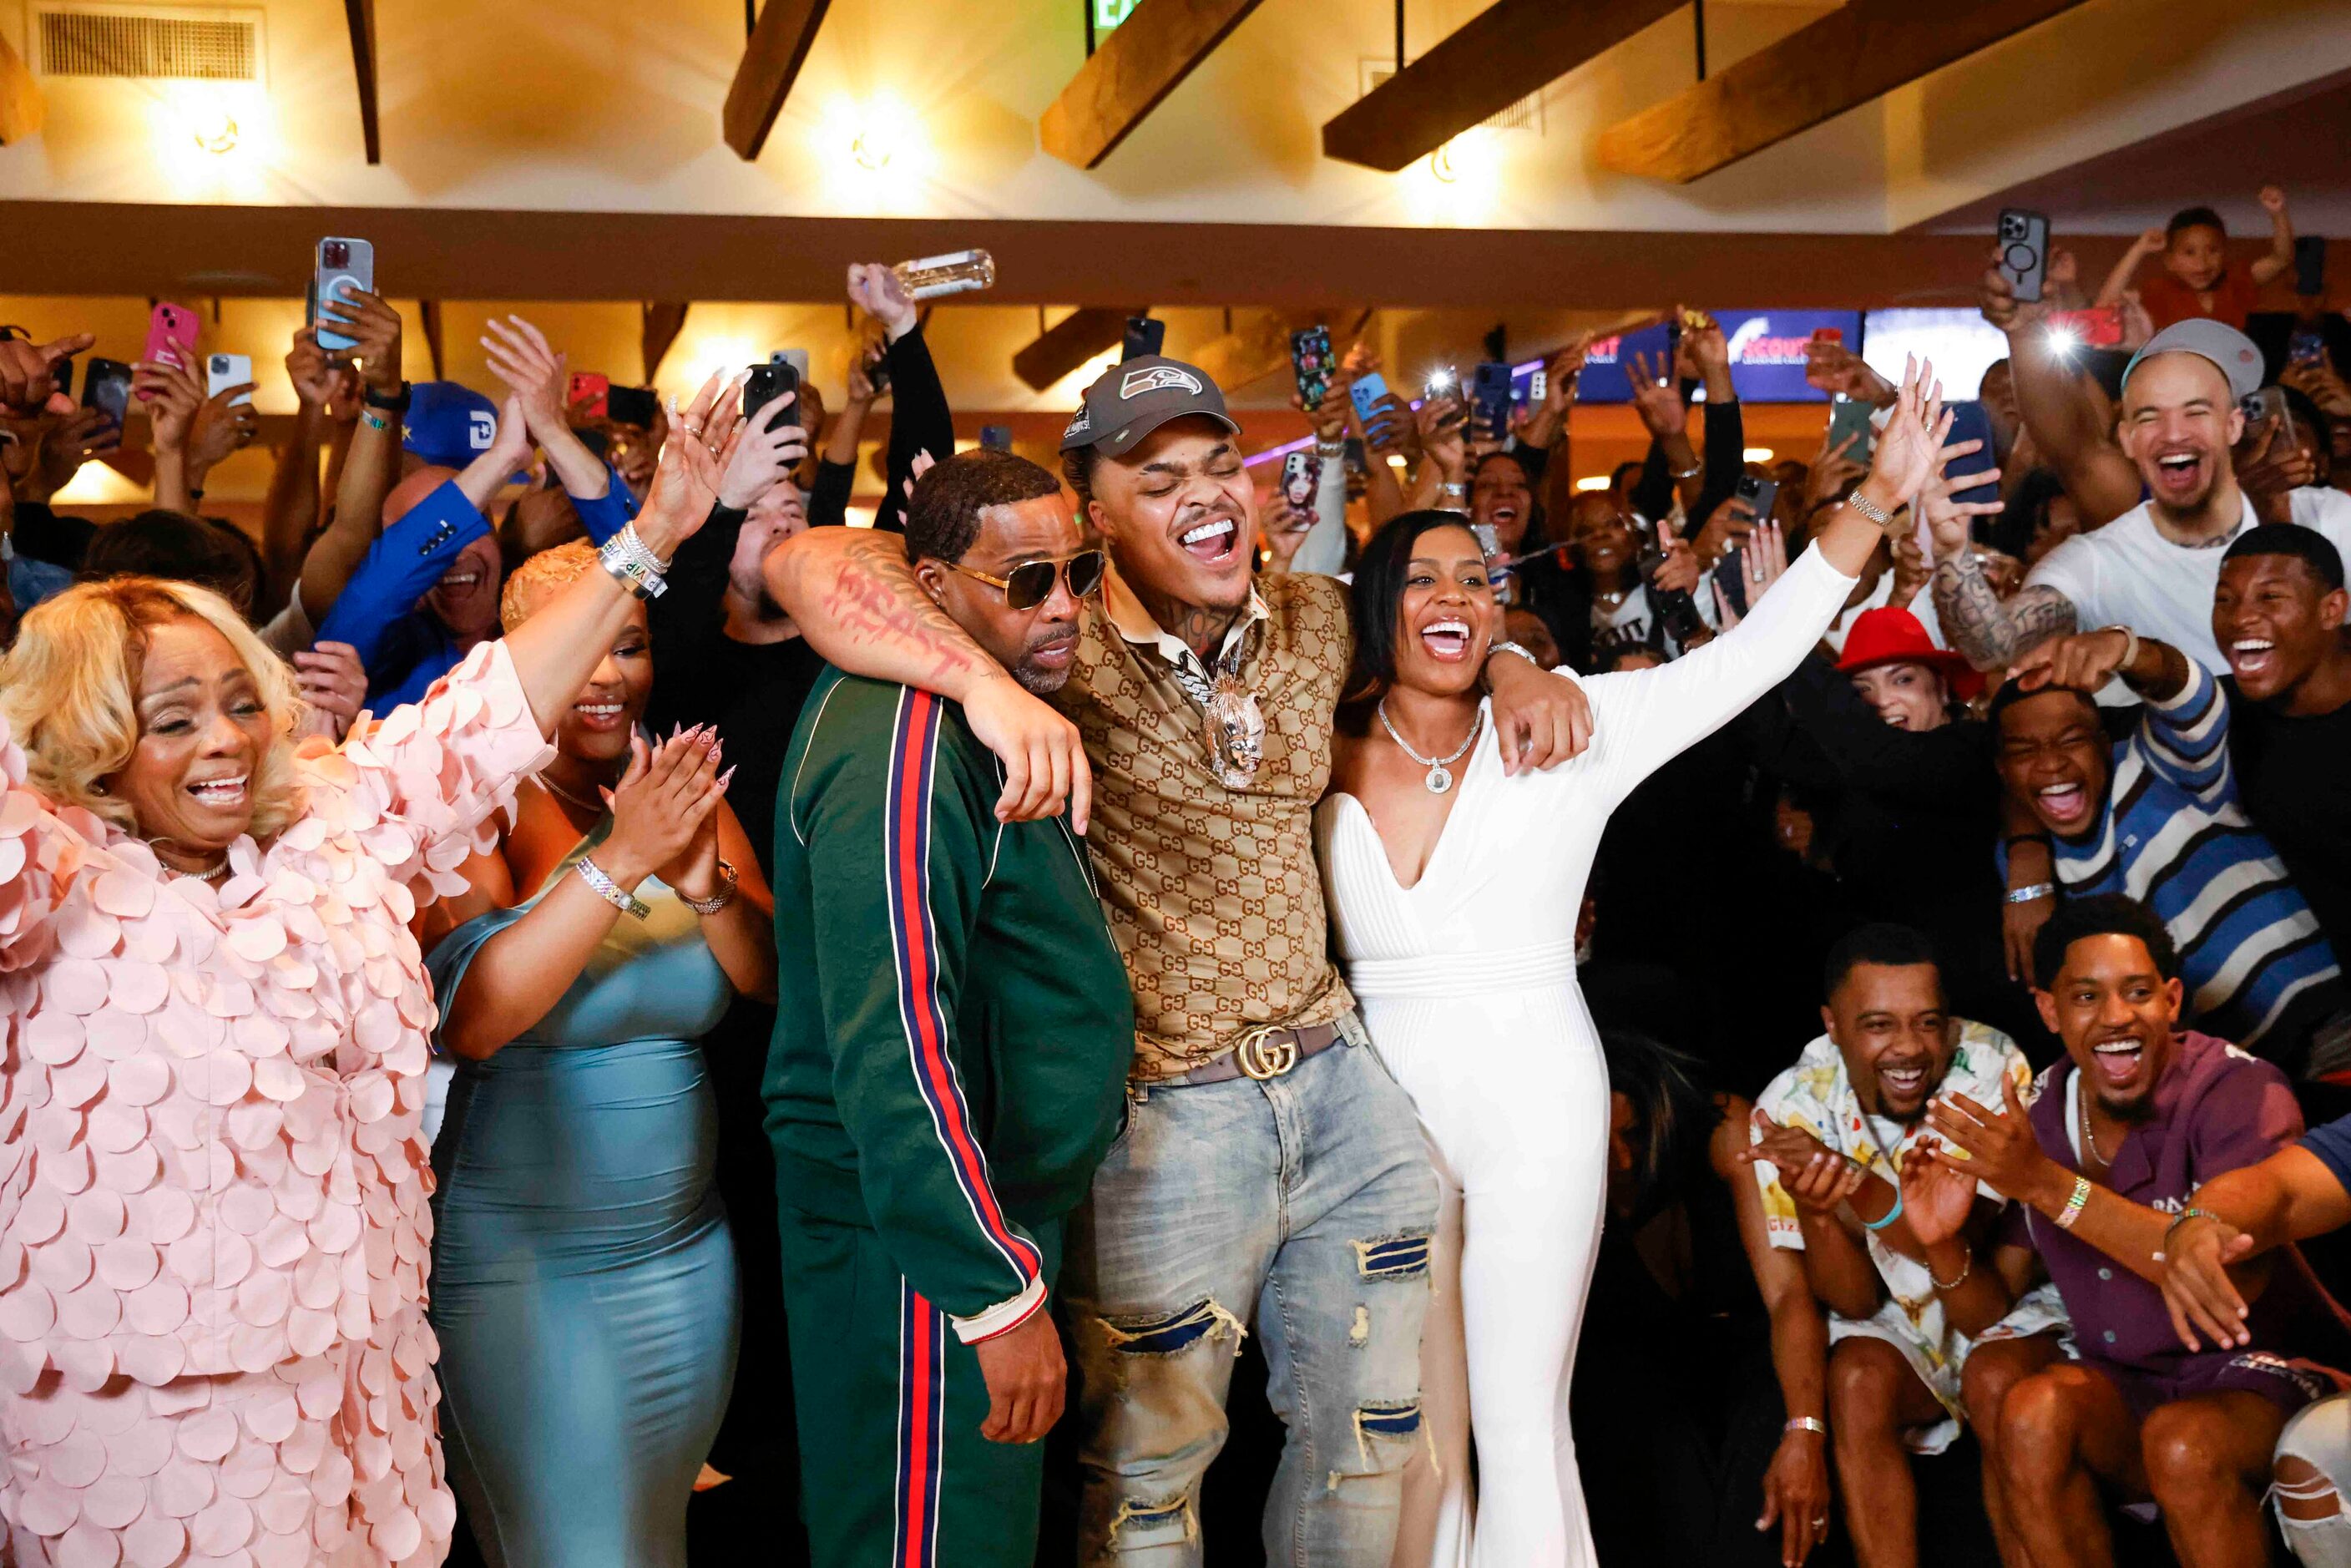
pixel 1987 632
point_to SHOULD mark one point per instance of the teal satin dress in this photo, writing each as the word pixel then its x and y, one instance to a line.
pixel 583 1284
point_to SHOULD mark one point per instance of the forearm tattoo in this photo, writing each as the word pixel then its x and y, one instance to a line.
pixel 1988 632
pixel 873 599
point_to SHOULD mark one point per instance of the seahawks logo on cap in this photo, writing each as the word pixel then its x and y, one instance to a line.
pixel 1079 426
pixel 1157 378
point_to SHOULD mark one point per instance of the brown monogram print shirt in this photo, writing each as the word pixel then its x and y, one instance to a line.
pixel 1213 893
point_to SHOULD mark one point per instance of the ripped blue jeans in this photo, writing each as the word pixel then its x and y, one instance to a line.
pixel 1298 1209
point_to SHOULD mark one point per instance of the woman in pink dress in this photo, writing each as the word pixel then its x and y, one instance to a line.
pixel 214 1230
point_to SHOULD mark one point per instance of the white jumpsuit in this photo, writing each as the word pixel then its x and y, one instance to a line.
pixel 1467 982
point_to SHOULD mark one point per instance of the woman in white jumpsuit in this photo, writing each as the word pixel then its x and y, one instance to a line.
pixel 1454 888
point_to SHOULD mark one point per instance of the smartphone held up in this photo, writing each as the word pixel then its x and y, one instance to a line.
pixel 345 267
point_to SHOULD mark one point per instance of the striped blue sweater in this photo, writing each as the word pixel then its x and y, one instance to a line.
pixel 2175 838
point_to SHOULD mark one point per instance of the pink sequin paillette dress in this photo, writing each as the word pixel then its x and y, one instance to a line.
pixel 214 1228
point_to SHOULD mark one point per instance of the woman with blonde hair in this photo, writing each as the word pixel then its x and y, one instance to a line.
pixel 584 1284
pixel 213 1224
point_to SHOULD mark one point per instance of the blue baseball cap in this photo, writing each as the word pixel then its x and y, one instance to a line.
pixel 448 424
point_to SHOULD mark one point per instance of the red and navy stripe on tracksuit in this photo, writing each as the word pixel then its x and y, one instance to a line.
pixel 907 842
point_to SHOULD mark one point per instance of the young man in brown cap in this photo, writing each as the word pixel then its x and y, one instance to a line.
pixel 1271 1173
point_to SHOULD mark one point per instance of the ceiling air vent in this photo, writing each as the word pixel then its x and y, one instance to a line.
pixel 148 41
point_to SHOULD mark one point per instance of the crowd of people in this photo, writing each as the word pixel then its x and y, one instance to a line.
pixel 1543 1024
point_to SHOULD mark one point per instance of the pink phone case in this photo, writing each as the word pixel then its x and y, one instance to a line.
pixel 170 338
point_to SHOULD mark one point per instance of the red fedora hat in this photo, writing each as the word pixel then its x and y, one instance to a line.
pixel 1889 636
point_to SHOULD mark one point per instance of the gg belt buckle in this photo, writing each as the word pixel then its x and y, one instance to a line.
pixel 1267 1051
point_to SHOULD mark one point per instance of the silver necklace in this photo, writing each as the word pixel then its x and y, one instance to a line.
pixel 1440 775
pixel 552 788
pixel 214 874
pixel 2089 1135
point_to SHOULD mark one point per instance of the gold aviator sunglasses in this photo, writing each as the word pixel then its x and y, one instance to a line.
pixel 1031 582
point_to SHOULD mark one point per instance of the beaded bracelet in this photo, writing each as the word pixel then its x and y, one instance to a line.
pixel 2076 1204
pixel 610 891
pixel 2183 1217
pixel 1967 1266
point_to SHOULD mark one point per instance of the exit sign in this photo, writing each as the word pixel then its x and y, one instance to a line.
pixel 1109 13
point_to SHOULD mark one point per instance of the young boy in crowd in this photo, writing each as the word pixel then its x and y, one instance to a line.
pixel 2196 278
pixel 1831 1135
pixel 2156 816
pixel 2119 1139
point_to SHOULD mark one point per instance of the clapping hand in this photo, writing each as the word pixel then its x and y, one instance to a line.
pixel 659 809
pixel 1936 1199
pixel 1818 1178
pixel 520 356
pixel 1997 1148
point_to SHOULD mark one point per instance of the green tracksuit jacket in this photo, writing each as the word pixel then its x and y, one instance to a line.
pixel 951 1049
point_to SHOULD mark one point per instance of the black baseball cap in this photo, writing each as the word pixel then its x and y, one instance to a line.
pixel 1129 400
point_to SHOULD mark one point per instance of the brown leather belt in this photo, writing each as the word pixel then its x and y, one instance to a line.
pixel 1267 1051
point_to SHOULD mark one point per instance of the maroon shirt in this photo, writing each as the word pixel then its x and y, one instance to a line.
pixel 2215 1109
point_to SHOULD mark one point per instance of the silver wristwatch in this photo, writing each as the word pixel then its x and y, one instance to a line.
pixel 1506 646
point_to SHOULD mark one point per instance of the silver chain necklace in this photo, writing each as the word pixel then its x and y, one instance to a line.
pixel 552 788
pixel 1440 775
pixel 2089 1134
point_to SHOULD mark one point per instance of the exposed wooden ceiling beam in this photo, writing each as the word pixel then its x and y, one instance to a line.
pixel 1861 51
pixel 361 15
pixel 1156 47
pixel 663 319
pixel 1506 51
pixel 779 46
pixel 1071 342
pixel 21 109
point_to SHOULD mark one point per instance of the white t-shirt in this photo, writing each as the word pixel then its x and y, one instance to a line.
pixel 2127 574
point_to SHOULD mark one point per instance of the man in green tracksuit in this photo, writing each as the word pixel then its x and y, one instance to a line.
pixel 948 1063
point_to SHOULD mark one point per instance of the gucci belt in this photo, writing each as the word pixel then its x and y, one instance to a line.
pixel 1266 1052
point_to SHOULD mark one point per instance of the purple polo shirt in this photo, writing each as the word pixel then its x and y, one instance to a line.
pixel 2215 1109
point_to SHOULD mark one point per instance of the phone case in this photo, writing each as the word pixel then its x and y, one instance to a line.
pixel 2023 251
pixel 1144 335
pixel 631 405
pixel 590 389
pixel 170 338
pixel 223 372
pixel 106 386
pixel 1310 361
pixel 357 271
pixel 1491 384
pixel 1366 391
pixel 1847 418
pixel 769 384
pixel 170 333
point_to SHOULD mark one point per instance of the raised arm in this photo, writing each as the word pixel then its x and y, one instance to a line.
pixel 920 419
pixel 2071 424
pixel 290 513
pixel 2149 243
pixel 856 601
pixel 535 374
pixel 371 462
pixel 2280 255
pixel 1643 718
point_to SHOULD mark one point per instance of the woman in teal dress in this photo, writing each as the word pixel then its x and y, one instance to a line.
pixel 583 1282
